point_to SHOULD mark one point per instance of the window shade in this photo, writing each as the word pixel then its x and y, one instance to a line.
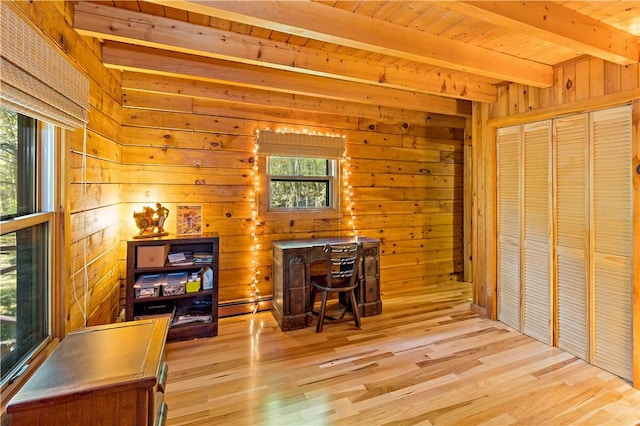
pixel 35 79
pixel 300 145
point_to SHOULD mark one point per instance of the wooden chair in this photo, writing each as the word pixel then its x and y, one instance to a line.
pixel 342 262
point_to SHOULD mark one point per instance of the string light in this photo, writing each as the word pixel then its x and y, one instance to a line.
pixel 254 291
pixel 304 131
pixel 348 193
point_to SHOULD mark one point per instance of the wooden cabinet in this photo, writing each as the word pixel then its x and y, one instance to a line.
pixel 105 375
pixel 194 314
pixel 293 262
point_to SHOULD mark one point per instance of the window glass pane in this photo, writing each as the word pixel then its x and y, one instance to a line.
pixel 24 253
pixel 299 194
pixel 17 164
pixel 289 166
pixel 23 294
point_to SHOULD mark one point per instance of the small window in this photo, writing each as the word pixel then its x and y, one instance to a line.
pixel 298 183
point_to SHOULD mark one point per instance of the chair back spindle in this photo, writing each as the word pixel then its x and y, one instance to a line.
pixel 342 261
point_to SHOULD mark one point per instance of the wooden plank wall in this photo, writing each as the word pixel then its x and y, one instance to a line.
pixel 577 81
pixel 90 292
pixel 407 178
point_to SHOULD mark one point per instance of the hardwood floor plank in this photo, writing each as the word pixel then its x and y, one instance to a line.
pixel 426 360
pixel 501 420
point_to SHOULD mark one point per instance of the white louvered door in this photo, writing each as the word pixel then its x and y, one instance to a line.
pixel 537 305
pixel 508 160
pixel 612 244
pixel 572 219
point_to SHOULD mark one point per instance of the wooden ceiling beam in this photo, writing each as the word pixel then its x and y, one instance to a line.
pixel 560 25
pixel 143 59
pixel 226 95
pixel 321 22
pixel 109 23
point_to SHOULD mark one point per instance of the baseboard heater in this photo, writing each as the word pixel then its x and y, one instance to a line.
pixel 241 307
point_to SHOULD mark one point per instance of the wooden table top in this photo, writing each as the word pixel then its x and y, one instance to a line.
pixel 94 359
pixel 313 242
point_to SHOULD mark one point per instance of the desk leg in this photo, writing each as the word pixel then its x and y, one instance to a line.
pixel 297 312
pixel 368 292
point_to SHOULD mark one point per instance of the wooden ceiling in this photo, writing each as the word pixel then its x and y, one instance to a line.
pixel 417 55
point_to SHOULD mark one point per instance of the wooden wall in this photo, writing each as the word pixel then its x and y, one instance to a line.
pixel 90 288
pixel 579 81
pixel 407 177
pixel 144 147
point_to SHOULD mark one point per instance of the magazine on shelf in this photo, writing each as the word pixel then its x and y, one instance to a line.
pixel 191 318
pixel 179 259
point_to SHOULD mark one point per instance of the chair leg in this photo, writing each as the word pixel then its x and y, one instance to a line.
pixel 354 308
pixel 312 298
pixel 322 312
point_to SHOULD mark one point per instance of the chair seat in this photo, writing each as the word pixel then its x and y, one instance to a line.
pixel 320 282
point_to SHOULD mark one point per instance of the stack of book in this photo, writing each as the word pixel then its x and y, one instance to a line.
pixel 201 257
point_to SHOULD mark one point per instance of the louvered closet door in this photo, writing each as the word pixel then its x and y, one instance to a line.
pixel 572 219
pixel 508 161
pixel 612 240
pixel 536 279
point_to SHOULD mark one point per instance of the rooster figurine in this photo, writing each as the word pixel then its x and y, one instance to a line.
pixel 148 219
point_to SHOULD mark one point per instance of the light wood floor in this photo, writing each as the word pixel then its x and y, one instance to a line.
pixel 427 360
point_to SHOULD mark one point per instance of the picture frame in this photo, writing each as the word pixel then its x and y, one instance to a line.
pixel 189 219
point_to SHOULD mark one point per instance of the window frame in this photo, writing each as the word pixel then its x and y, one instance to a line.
pixel 48 175
pixel 333 178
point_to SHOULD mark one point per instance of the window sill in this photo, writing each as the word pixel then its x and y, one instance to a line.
pixel 9 390
pixel 298 214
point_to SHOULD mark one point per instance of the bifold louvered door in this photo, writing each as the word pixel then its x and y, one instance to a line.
pixel 565 234
pixel 524 233
pixel 572 224
pixel 508 159
pixel 537 304
pixel 612 244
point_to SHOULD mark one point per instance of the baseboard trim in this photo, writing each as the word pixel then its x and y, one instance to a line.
pixel 241 307
pixel 480 310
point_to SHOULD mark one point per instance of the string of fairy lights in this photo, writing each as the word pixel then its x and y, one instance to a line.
pixel 348 193
pixel 254 291
pixel 347 190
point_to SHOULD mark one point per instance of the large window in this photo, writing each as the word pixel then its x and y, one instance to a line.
pixel 27 188
pixel 300 183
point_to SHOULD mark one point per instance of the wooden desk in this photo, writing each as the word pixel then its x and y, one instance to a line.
pixel 292 260
pixel 105 375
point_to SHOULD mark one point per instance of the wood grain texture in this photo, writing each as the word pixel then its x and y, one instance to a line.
pixel 583 80
pixel 406 175
pixel 427 359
